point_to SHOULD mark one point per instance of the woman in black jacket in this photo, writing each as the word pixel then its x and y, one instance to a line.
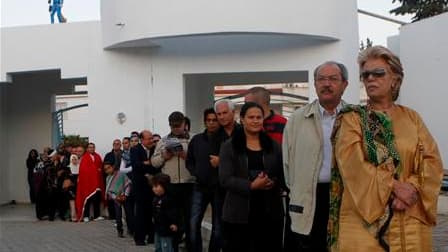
pixel 251 172
pixel 31 162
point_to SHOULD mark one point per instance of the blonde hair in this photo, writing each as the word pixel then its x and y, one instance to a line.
pixel 381 52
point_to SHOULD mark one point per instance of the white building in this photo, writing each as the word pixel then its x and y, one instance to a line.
pixel 148 58
pixel 423 51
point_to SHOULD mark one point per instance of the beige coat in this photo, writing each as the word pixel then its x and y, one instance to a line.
pixel 302 160
pixel 174 167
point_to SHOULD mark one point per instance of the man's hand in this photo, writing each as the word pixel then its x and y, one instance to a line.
pixel 182 154
pixel 147 162
pixel 214 160
pixel 173 227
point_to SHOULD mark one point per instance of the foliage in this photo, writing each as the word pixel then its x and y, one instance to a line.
pixel 369 43
pixel 75 140
pixel 420 8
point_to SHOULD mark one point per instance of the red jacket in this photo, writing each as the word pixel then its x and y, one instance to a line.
pixel 90 180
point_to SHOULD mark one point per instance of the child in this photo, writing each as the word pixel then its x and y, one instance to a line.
pixel 164 214
pixel 117 189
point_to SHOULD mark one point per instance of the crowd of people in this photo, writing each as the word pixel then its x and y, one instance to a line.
pixel 334 177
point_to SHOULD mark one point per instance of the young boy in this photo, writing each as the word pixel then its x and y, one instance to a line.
pixel 117 189
pixel 164 214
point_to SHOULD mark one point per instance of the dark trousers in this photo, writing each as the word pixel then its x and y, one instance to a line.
pixel 316 241
pixel 118 215
pixel 144 227
pixel 259 236
pixel 94 200
pixel 181 193
pixel 129 210
pixel 201 197
pixel 111 209
pixel 32 186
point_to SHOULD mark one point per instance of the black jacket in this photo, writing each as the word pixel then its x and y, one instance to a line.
pixel 164 215
pixel 198 160
pixel 234 177
pixel 114 159
pixel 139 169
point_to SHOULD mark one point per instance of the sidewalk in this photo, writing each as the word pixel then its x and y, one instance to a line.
pixel 20 231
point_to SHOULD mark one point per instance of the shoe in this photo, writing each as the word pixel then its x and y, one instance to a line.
pixel 140 243
pixel 86 219
pixel 100 218
pixel 120 234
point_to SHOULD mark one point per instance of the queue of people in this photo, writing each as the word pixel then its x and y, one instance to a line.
pixel 334 177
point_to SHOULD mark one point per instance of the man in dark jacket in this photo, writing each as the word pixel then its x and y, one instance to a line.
pixel 206 190
pixel 142 170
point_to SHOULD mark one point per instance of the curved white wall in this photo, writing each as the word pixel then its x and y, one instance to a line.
pixel 153 19
pixel 424 54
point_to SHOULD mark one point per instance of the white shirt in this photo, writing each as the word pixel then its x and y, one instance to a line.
pixel 327 122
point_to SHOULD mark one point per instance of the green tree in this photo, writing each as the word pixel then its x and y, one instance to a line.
pixel 369 43
pixel 420 8
pixel 75 140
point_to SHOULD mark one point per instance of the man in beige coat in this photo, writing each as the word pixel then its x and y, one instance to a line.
pixel 307 156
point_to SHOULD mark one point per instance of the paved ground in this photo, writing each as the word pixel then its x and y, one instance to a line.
pixel 20 231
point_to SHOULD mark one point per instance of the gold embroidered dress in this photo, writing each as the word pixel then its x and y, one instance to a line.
pixel 362 181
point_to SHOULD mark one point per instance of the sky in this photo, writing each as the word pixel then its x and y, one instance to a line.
pixel 33 12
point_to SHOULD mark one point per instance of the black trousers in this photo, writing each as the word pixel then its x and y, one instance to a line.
pixel 182 193
pixel 129 210
pixel 263 235
pixel 144 227
pixel 316 241
pixel 94 200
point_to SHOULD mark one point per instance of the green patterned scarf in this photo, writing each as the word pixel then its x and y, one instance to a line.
pixel 379 147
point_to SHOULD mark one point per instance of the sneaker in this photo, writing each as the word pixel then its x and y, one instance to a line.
pixel 99 218
pixel 86 219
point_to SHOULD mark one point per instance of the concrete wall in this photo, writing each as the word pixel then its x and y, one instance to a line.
pixel 424 54
pixel 28 122
pixel 152 18
pixel 42 47
pixel 4 190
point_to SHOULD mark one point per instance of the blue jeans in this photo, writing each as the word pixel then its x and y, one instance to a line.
pixel 201 197
pixel 56 8
pixel 163 243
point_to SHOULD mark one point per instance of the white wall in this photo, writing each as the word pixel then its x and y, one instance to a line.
pixel 152 18
pixel 41 47
pixel 424 54
pixel 28 123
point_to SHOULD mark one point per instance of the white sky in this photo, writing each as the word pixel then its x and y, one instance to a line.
pixel 32 12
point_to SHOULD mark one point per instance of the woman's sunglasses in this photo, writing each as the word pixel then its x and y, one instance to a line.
pixel 376 73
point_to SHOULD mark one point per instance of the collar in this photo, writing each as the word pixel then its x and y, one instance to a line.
pixel 323 111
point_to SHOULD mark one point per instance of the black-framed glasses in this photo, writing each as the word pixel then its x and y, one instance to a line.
pixel 376 73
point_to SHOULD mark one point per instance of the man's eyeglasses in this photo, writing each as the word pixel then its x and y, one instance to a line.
pixel 331 79
pixel 376 73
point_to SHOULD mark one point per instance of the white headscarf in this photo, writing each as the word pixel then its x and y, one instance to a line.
pixel 74 168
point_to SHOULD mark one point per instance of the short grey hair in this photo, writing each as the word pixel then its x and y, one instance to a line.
pixel 229 103
pixel 342 69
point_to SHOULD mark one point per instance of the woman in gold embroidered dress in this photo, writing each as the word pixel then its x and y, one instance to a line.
pixel 387 171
